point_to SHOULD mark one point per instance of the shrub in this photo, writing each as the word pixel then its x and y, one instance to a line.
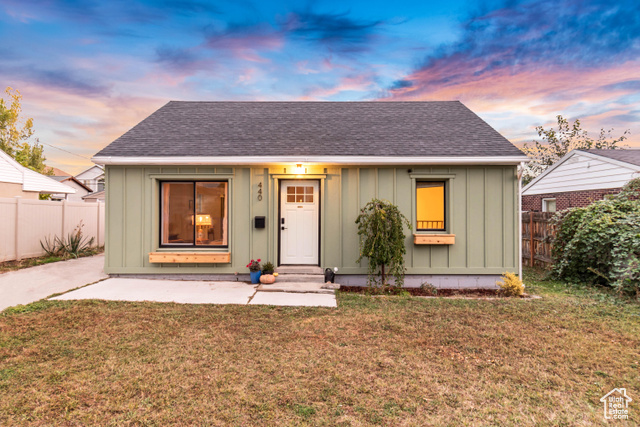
pixel 74 245
pixel 51 246
pixel 625 268
pixel 429 288
pixel 511 285
pixel 382 241
pixel 600 243
pixel 268 267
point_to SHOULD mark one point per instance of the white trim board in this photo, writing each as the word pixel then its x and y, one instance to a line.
pixel 307 160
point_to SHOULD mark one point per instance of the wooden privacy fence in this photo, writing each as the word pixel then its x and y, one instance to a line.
pixel 537 232
pixel 24 223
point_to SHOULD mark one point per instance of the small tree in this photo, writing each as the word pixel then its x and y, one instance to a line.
pixel 16 133
pixel 382 240
pixel 556 143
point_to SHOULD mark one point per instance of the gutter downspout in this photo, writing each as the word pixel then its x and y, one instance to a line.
pixel 520 172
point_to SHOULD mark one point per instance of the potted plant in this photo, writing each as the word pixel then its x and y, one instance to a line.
pixel 267 273
pixel 268 268
pixel 254 271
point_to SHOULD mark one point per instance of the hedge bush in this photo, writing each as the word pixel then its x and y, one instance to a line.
pixel 600 243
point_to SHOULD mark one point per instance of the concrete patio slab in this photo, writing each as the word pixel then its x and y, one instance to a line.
pixel 180 291
pixel 34 283
pixel 294 299
pixel 297 287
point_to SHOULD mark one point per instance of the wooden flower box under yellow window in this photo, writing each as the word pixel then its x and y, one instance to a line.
pixel 190 257
pixel 434 239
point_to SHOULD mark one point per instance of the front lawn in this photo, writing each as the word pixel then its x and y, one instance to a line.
pixel 374 360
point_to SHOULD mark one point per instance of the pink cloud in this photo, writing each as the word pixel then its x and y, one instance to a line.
pixel 359 83
pixel 80 124
pixel 244 42
pixel 536 92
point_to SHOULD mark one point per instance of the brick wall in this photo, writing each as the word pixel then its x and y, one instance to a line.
pixel 571 199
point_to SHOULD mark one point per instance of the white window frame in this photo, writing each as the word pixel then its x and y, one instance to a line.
pixel 544 204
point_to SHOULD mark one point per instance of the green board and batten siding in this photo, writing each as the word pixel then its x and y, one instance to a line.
pixel 482 212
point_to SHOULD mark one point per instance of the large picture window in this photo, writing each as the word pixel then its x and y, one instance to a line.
pixel 430 205
pixel 194 214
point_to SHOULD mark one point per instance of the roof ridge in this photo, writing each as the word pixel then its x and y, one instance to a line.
pixel 311 102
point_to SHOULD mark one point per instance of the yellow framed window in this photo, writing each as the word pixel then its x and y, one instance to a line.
pixel 430 205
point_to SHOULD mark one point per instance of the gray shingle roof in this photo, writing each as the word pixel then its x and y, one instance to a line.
pixel 628 155
pixel 446 128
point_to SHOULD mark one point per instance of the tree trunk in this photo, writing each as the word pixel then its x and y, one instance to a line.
pixel 384 283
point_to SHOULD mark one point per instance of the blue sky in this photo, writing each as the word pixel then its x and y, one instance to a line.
pixel 89 70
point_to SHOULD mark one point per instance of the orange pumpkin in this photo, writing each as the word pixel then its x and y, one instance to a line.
pixel 267 279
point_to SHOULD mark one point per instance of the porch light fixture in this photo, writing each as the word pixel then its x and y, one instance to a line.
pixel 299 169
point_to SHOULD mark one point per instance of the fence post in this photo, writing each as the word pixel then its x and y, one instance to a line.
pixel 64 218
pixel 17 247
pixel 98 225
pixel 531 247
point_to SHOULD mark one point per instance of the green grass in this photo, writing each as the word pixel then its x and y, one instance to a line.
pixel 374 360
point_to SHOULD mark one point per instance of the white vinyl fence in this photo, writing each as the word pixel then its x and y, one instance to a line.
pixel 24 223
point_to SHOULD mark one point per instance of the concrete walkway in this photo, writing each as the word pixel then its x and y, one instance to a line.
pixel 34 283
pixel 195 292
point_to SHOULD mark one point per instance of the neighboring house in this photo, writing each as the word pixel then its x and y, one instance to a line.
pixel 98 196
pixel 203 187
pixel 81 189
pixel 67 179
pixel 92 177
pixel 580 178
pixel 17 180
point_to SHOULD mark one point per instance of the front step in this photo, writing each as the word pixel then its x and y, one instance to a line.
pixel 300 278
pixel 299 269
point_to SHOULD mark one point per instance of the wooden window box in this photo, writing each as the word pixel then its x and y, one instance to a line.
pixel 434 239
pixel 190 257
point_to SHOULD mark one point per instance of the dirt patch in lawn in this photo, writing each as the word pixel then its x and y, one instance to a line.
pixel 419 292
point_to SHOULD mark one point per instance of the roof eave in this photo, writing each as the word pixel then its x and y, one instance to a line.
pixel 324 160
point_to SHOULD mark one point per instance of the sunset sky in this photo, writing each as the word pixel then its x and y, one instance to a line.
pixel 90 70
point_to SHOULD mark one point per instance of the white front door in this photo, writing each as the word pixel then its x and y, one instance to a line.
pixel 299 227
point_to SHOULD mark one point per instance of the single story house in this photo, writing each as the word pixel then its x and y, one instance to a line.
pixel 580 178
pixel 201 188
pixel 19 181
